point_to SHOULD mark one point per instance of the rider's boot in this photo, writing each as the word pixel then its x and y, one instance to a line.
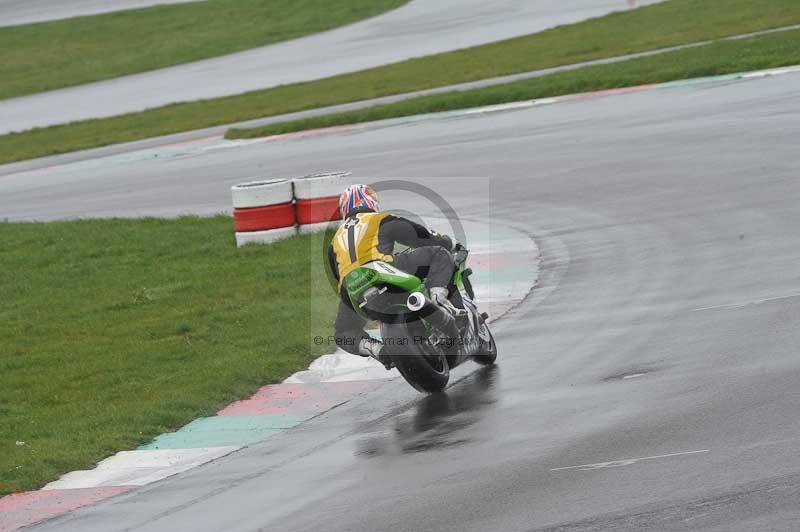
pixel 439 296
pixel 371 347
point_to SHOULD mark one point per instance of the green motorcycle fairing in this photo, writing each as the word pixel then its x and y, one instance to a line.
pixel 378 273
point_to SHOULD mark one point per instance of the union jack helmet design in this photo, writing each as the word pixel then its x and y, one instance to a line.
pixel 358 198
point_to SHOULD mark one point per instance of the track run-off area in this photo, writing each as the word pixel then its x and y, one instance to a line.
pixel 649 382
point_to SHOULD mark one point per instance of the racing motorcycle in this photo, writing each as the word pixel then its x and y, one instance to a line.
pixel 423 341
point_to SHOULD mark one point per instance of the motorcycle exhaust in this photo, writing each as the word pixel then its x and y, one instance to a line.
pixel 433 313
pixel 416 301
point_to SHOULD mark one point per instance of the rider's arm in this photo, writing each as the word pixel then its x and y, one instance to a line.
pixel 414 235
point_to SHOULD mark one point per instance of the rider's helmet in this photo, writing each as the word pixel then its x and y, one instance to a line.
pixel 358 198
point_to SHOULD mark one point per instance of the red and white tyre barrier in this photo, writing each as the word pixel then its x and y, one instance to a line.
pixel 317 200
pixel 263 211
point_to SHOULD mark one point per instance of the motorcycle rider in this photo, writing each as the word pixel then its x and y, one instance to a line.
pixel 366 235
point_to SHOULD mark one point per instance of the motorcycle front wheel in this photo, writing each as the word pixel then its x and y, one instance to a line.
pixel 487 353
pixel 421 363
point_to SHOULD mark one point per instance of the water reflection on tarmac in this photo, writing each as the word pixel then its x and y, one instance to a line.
pixel 437 421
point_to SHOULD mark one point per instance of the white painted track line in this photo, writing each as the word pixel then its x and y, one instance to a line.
pixel 625 462
pixel 742 304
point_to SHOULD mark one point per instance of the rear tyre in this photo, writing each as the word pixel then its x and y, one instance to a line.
pixel 422 364
pixel 487 353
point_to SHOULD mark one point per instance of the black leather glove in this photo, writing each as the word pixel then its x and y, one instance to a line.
pixel 460 253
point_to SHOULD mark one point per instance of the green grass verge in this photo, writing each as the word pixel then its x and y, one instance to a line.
pixel 114 331
pixel 670 23
pixel 715 59
pixel 61 53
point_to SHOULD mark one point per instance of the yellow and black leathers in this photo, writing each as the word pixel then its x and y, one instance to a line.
pixel 357 242
pixel 367 236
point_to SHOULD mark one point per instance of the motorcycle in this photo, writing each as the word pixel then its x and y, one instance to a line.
pixel 423 341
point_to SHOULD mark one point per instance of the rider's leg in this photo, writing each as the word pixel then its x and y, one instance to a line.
pixel 350 336
pixel 349 329
pixel 436 265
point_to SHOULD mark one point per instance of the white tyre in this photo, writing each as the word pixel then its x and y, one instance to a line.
pixel 321 185
pixel 261 193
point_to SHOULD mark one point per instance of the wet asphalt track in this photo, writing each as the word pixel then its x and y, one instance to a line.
pixel 421 27
pixel 669 226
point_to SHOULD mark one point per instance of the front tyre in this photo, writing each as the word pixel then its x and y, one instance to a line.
pixel 422 364
pixel 487 353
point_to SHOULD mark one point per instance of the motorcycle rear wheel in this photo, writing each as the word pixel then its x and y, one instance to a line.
pixel 422 364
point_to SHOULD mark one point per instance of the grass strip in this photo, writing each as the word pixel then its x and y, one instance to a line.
pixel 670 23
pixel 114 331
pixel 714 59
pixel 51 55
